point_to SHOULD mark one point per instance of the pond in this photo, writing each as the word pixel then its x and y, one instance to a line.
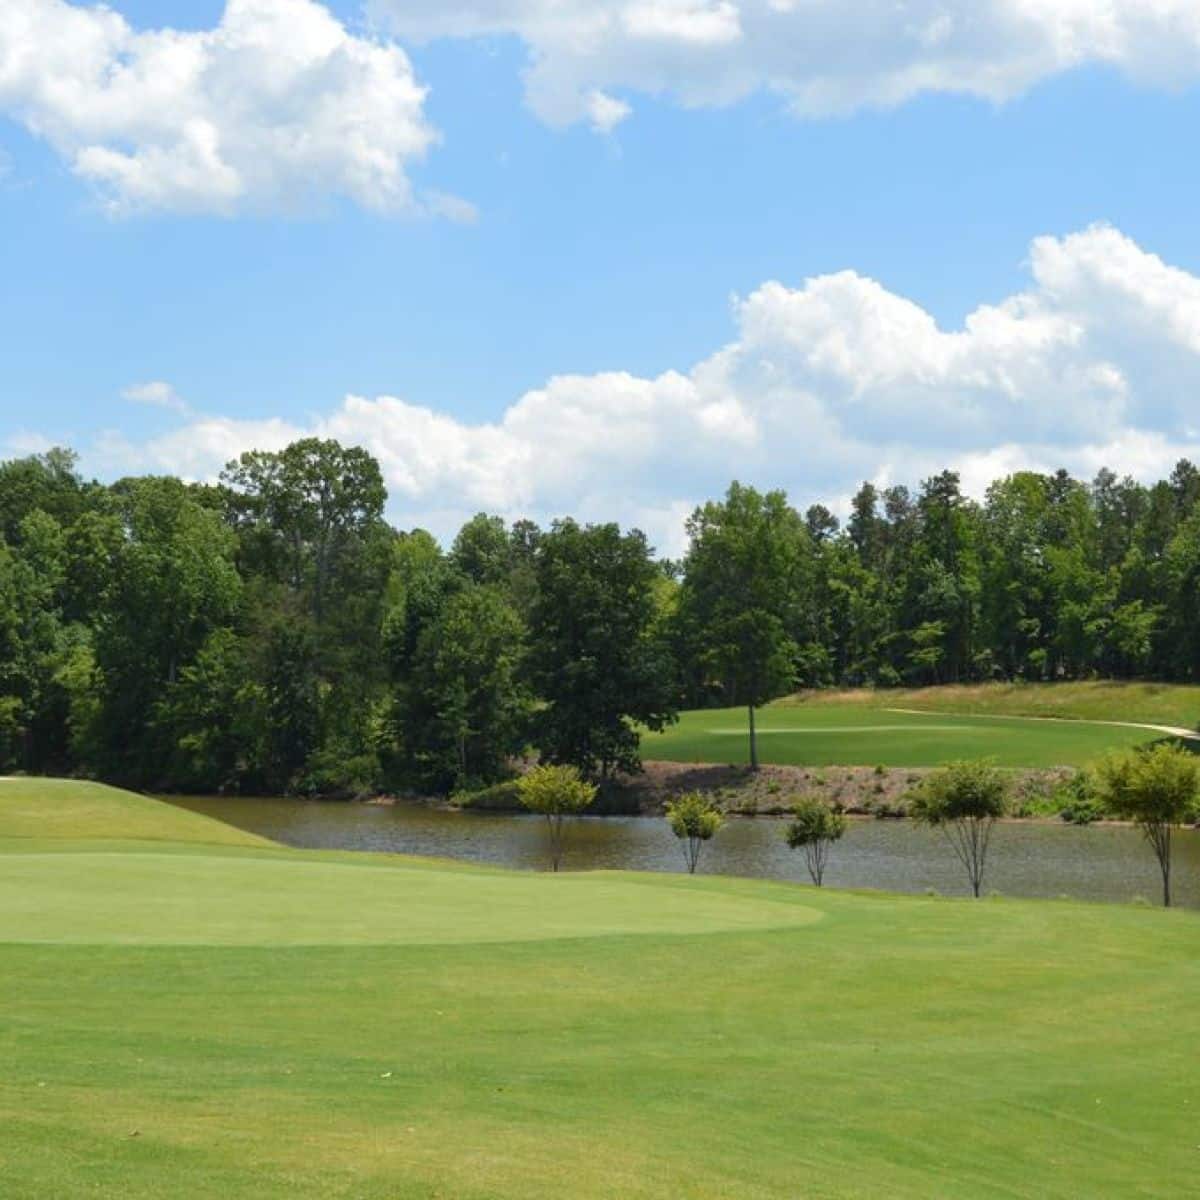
pixel 1028 858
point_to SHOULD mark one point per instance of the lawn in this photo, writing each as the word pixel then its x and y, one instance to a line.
pixel 1094 699
pixel 184 1018
pixel 870 730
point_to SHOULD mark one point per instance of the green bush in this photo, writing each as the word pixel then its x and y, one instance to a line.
pixel 498 797
pixel 1077 800
pixel 331 774
pixel 814 831
pixel 694 820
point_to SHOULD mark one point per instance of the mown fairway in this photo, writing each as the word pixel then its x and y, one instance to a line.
pixel 865 734
pixel 193 1019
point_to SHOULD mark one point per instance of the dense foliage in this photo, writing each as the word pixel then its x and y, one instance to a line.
pixel 272 632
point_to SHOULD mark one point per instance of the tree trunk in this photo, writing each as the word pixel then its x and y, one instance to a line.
pixel 753 741
pixel 1161 840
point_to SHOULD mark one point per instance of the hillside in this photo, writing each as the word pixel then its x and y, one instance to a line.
pixel 80 809
pixel 1093 700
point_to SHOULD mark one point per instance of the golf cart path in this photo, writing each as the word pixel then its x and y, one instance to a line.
pixel 1174 730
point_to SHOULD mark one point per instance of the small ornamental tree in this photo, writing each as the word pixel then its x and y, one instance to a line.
pixel 964 800
pixel 1157 789
pixel 694 819
pixel 814 831
pixel 555 793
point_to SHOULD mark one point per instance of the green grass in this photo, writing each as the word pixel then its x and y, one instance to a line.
pixel 369 1027
pixel 1097 700
pixel 72 808
pixel 866 732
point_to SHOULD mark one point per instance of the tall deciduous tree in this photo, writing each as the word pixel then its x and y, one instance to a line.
pixel 598 658
pixel 471 704
pixel 744 577
pixel 171 583
pixel 301 508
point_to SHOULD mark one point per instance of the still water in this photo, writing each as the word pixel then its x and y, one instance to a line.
pixel 1027 859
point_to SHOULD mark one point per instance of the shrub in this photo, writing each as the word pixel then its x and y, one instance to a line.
pixel 1078 801
pixel 694 820
pixel 814 831
pixel 1156 789
pixel 499 797
pixel 555 793
pixel 964 800
pixel 336 775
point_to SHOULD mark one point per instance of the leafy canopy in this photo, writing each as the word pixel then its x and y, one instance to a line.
pixel 693 815
pixel 1151 786
pixel 961 791
pixel 815 828
pixel 814 821
pixel 694 819
pixel 555 791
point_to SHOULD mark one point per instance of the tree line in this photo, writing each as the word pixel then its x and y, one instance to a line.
pixel 272 632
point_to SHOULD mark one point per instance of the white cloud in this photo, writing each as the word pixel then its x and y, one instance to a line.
pixel 821 56
pixel 276 107
pixel 1096 363
pixel 605 112
pixel 157 394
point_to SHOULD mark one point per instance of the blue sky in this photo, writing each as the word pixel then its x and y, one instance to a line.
pixel 601 252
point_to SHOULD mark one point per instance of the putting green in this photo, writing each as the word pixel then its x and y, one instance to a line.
pixel 153 898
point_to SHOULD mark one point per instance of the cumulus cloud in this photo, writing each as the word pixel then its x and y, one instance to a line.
pixel 277 106
pixel 1096 362
pixel 156 394
pixel 821 56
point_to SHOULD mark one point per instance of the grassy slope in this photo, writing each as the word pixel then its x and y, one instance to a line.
pixel 71 808
pixel 1095 700
pixel 362 1033
pixel 863 732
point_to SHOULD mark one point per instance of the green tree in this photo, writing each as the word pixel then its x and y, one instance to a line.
pixel 555 792
pixel 598 658
pixel 482 550
pixel 300 509
pixel 172 581
pixel 743 577
pixel 1157 789
pixel 47 483
pixel 964 800
pixel 32 640
pixel 468 702
pixel 694 820
pixel 208 719
pixel 814 830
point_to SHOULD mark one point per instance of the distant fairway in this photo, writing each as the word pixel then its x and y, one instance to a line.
pixel 865 734
pixel 183 1018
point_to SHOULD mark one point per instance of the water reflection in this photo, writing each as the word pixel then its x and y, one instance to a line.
pixel 1028 859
